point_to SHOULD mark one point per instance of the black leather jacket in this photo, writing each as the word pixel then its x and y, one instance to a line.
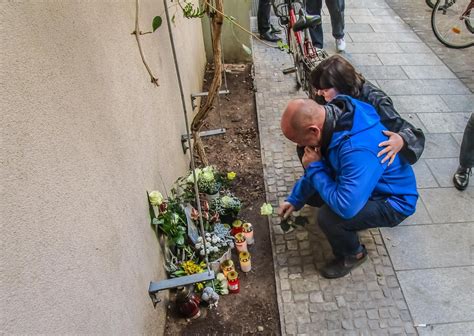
pixel 413 137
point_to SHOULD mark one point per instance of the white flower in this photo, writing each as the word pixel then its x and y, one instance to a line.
pixel 231 245
pixel 208 239
pixel 155 197
pixel 202 252
pixel 214 240
pixel 199 239
pixel 266 209
pixel 190 178
pixel 220 276
pixel 198 246
pixel 208 234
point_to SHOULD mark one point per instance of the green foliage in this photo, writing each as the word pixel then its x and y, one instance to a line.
pixel 283 46
pixel 190 12
pixel 157 21
pixel 172 222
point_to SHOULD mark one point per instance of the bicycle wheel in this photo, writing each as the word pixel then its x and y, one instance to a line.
pixel 449 28
pixel 296 51
pixel 431 3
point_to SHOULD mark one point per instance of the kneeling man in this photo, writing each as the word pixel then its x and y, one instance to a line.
pixel 344 177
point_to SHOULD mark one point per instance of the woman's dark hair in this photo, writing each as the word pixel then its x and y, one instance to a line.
pixel 336 72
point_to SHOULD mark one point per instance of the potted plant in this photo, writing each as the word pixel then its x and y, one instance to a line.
pixel 218 244
pixel 228 207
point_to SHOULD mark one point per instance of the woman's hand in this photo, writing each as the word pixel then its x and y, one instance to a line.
pixel 392 146
pixel 311 154
pixel 285 210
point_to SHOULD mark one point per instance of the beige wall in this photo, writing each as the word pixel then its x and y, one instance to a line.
pixel 83 134
pixel 232 40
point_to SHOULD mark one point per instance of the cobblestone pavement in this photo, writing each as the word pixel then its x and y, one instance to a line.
pixel 418 16
pixel 372 300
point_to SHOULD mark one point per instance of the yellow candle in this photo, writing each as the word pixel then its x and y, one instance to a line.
pixel 245 263
pixel 240 242
pixel 248 233
pixel 227 266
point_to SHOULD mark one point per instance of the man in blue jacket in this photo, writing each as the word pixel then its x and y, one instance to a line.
pixel 344 177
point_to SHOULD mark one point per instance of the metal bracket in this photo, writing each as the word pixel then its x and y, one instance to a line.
pixel 155 287
pixel 203 94
pixel 184 137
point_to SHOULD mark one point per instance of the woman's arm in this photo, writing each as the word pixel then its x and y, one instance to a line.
pixel 413 138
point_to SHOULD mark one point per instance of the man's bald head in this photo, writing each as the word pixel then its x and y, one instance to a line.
pixel 300 120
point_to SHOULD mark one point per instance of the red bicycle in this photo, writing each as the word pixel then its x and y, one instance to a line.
pixel 296 22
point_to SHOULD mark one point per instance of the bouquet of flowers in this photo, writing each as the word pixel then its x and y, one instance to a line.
pixel 227 205
pixel 217 243
pixel 209 180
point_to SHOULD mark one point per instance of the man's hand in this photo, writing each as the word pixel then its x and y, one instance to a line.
pixel 311 154
pixel 285 210
pixel 392 146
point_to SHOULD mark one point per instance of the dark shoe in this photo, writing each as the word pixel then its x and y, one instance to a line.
pixel 343 265
pixel 461 178
pixel 274 29
pixel 269 36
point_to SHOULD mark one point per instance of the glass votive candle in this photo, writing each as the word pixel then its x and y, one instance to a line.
pixel 236 227
pixel 234 284
pixel 227 266
pixel 247 229
pixel 240 242
pixel 245 263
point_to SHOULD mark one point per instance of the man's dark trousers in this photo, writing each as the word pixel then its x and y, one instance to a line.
pixel 263 16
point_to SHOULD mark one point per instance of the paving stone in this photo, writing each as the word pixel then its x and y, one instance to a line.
pixel 424 177
pixel 440 146
pixel 461 103
pixel 410 59
pixel 443 170
pixel 380 47
pixel 414 47
pixel 371 72
pixel 445 122
pixel 439 289
pixel 459 328
pixel 420 103
pixel 428 71
pixel 414 120
pixel 448 205
pixel 421 86
pixel 364 59
pixel 384 37
pixel 440 245
pixel 393 27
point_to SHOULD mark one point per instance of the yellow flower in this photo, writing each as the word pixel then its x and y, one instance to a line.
pixel 155 197
pixel 231 176
pixel 266 209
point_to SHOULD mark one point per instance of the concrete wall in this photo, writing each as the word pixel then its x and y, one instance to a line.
pixel 84 134
pixel 232 36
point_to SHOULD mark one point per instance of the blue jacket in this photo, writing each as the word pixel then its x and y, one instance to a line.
pixel 350 172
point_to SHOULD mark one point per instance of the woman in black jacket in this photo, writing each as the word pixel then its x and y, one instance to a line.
pixel 335 75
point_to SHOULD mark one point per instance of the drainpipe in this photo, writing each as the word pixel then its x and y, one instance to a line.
pixel 181 92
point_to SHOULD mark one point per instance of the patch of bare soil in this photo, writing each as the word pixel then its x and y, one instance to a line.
pixel 254 309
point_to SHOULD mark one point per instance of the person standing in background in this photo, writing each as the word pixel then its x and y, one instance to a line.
pixel 466 157
pixel 267 32
pixel 336 12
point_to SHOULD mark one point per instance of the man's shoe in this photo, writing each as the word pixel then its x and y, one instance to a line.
pixel 269 36
pixel 343 265
pixel 340 44
pixel 274 29
pixel 461 178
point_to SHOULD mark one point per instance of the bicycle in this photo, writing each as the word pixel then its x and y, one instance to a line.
pixel 453 23
pixel 305 56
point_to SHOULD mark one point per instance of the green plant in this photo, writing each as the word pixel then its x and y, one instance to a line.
pixel 227 205
pixel 169 218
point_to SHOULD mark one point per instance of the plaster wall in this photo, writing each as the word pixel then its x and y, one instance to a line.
pixel 83 135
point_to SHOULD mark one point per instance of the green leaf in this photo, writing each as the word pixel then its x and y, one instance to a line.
pixel 179 240
pixel 155 221
pixel 156 22
pixel 173 18
pixel 282 46
pixel 247 49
